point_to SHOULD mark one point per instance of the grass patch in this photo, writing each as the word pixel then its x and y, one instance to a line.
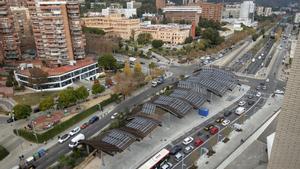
pixel 3 152
pixel 57 129
pixel 33 98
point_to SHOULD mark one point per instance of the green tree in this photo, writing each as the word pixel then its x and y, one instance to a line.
pixel 81 93
pixel 144 38
pixel 107 62
pixel 188 40
pixel 96 31
pixel 67 97
pixel 47 103
pixel 213 36
pixel 22 111
pixel 157 43
pixel 97 87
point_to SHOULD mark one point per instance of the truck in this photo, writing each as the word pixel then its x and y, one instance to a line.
pixel 75 141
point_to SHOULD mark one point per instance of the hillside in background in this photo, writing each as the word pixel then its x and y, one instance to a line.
pixel 273 3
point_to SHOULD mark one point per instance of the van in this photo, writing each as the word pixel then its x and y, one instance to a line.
pixel 74 142
pixel 240 110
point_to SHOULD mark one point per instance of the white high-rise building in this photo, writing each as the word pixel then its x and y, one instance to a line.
pixel 297 18
pixel 268 11
pixel 259 10
pixel 247 10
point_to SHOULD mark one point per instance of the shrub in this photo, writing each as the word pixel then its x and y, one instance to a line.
pixel 40 138
pixel 3 152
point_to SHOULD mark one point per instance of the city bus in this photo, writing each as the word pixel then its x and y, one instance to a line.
pixel 155 161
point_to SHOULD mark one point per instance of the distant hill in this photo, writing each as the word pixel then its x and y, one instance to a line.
pixel 272 3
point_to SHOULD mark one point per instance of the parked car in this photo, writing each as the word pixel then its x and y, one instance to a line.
pixel 250 96
pixel 84 125
pixel 264 87
pixel 93 119
pixel 198 142
pixel 64 138
pixel 166 165
pixel 74 131
pixel 242 103
pixel 187 140
pixel 175 150
pixel 258 87
pixel 208 127
pixel 219 120
pixel 213 130
pixel 225 122
pixel 228 113
pixel 188 149
pixel 178 156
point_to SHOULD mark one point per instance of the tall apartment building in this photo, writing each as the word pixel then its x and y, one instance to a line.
pixel 268 11
pixel 160 4
pixel 211 11
pixel 22 21
pixel 178 13
pixel 286 146
pixel 260 11
pixel 247 11
pixel 9 39
pixel 231 11
pixel 57 29
pixel 113 25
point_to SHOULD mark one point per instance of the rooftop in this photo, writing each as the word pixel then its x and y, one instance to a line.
pixel 56 70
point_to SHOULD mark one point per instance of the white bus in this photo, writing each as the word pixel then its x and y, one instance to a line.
pixel 156 160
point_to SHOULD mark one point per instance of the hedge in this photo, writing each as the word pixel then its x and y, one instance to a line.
pixel 40 138
pixel 3 152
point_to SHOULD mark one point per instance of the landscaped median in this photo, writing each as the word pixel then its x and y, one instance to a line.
pixel 57 129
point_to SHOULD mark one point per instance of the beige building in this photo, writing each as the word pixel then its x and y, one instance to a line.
pixel 171 33
pixel 113 25
pixel 286 146
pixel 9 39
pixel 57 29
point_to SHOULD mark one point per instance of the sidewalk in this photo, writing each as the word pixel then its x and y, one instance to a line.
pixel 224 150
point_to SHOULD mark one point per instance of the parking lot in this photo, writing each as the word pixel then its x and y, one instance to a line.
pixel 188 153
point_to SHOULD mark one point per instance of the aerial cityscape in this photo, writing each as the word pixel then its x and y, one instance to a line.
pixel 149 84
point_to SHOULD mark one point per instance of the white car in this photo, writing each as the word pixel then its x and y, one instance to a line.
pixel 178 156
pixel 74 131
pixel 166 165
pixel 154 83
pixel 242 103
pixel 225 122
pixel 64 138
pixel 114 116
pixel 259 57
pixel 258 94
pixel 253 60
pixel 267 80
pixel 75 141
pixel 279 92
pixel 240 110
pixel 187 140
pixel 188 149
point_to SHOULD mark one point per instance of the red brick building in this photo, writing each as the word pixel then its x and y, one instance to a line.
pixel 211 11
